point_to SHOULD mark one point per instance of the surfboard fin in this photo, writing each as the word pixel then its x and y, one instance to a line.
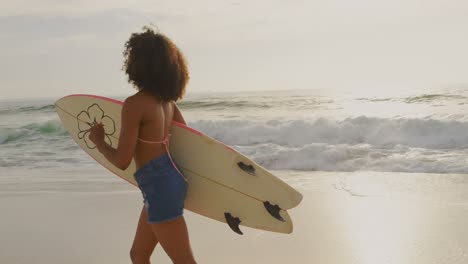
pixel 273 210
pixel 233 223
pixel 247 168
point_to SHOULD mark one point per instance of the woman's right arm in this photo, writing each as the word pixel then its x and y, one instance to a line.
pixel 178 115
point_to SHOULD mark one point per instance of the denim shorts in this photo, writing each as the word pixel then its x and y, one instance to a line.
pixel 163 188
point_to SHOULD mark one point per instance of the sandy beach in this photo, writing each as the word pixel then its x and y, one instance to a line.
pixel 361 217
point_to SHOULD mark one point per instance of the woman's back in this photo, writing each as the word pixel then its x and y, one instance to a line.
pixel 155 124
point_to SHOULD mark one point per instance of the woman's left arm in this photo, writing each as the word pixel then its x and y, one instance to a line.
pixel 122 156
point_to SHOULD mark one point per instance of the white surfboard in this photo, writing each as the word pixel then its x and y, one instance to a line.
pixel 223 184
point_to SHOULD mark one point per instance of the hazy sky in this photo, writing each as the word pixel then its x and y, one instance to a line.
pixel 55 47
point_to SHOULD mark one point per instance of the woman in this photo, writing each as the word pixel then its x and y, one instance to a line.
pixel 158 70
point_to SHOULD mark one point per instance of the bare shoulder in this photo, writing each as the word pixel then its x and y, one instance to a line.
pixel 143 105
pixel 133 104
pixel 139 101
pixel 133 100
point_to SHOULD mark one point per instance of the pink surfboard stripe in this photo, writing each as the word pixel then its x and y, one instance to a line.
pixel 97 96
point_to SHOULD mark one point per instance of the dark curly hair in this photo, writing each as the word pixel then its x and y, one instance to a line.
pixel 154 64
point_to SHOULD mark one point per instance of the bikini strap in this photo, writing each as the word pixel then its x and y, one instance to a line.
pixel 165 142
pixel 166 145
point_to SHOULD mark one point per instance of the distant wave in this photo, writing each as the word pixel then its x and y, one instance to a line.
pixel 188 104
pixel 259 102
pixel 424 98
pixel 43 108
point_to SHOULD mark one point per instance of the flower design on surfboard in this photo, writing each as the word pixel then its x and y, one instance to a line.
pixel 94 115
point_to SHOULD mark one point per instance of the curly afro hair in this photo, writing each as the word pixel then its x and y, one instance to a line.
pixel 154 64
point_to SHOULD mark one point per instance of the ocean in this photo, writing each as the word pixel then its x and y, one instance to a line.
pixel 281 130
pixel 295 134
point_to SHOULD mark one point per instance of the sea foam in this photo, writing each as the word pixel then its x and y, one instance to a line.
pixel 421 133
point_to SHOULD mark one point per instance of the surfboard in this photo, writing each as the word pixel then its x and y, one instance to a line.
pixel 224 185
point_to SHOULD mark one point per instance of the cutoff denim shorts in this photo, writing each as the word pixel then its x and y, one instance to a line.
pixel 163 188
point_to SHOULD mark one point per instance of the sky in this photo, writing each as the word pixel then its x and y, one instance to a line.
pixel 52 48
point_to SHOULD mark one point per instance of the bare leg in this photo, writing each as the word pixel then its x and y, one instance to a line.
pixel 174 239
pixel 145 241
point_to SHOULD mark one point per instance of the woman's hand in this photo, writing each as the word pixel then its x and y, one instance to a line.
pixel 97 135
